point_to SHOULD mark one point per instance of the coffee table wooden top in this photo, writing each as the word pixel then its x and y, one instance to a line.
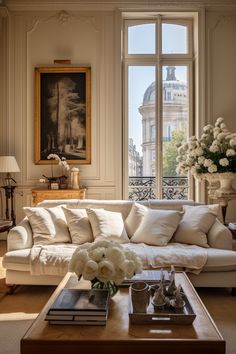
pixel 119 336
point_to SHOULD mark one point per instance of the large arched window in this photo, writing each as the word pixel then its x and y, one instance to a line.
pixel 158 104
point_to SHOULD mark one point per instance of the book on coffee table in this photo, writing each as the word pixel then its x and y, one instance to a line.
pixel 149 276
pixel 80 305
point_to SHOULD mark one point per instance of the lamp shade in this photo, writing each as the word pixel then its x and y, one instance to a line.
pixel 8 164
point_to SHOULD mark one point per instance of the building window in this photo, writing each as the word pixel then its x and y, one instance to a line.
pixel 158 80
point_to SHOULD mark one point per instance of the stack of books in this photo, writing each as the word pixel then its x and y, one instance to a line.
pixel 80 307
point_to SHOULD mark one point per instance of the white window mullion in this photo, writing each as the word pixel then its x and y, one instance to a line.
pixel 159 124
pixel 159 129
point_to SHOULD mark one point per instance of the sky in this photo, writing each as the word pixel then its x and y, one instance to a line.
pixel 141 40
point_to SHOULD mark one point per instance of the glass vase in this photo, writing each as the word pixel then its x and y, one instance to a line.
pixel 109 285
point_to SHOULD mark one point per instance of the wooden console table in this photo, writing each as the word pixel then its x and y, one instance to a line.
pixel 39 195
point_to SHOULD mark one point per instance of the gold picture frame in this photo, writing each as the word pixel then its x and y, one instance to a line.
pixel 63 114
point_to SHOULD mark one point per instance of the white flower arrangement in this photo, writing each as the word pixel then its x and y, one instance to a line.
pixel 214 152
pixel 105 261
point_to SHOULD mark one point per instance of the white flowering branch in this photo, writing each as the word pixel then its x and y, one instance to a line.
pixel 61 161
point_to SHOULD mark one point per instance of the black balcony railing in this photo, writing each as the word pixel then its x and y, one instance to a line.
pixel 143 188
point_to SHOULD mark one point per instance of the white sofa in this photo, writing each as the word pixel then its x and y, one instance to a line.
pixel 218 271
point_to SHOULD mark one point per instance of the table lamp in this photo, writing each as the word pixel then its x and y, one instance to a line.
pixel 8 164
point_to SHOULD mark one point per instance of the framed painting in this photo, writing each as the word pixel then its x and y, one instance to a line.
pixel 63 114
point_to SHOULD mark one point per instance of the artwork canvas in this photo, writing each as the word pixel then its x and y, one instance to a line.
pixel 62 114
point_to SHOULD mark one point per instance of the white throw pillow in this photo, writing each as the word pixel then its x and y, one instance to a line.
pixel 135 218
pixel 107 224
pixel 195 224
pixel 157 227
pixel 79 225
pixel 48 225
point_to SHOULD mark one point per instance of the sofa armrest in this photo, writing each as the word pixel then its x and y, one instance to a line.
pixel 20 236
pixel 219 236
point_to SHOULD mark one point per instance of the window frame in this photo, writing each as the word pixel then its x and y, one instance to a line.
pixel 158 60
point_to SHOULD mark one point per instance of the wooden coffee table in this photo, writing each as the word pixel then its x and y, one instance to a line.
pixel 119 336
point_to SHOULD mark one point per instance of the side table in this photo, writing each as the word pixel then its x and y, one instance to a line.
pixel 38 195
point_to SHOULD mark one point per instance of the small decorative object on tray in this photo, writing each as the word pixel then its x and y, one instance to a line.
pixel 159 299
pixel 177 301
pixel 168 304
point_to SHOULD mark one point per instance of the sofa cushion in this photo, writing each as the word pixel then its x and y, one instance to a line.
pixel 107 224
pixel 195 224
pixel 17 260
pixel 48 224
pixel 220 260
pixel 135 218
pixel 79 225
pixel 157 227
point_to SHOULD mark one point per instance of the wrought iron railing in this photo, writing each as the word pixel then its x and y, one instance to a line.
pixel 143 188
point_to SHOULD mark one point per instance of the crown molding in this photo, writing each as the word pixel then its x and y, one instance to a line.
pixel 108 5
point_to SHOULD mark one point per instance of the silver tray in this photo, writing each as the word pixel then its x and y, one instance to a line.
pixel 165 315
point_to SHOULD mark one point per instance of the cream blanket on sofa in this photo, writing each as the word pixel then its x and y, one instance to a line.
pixel 54 259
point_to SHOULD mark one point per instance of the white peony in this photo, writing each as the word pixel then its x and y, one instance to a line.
pixel 78 261
pixel 97 254
pixel 119 275
pixel 106 271
pixel 201 160
pixel 232 142
pixel 214 148
pixel 212 168
pixel 224 162
pixel 115 255
pixel 90 270
pixel 230 152
pixel 199 151
pixel 208 162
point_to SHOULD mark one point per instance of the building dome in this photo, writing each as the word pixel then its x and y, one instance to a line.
pixel 149 95
pixel 171 83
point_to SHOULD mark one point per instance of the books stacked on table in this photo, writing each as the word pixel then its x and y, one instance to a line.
pixel 80 307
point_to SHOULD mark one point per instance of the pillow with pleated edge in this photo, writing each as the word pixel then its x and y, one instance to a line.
pixel 107 225
pixel 79 225
pixel 157 227
pixel 48 225
pixel 195 224
pixel 135 218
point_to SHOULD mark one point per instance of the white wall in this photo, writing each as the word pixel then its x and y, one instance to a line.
pixel 34 33
pixel 221 73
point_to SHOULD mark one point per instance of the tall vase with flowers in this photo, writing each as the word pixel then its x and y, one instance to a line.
pixel 211 157
pixel 106 264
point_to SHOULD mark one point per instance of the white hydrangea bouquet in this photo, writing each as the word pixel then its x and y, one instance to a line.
pixel 213 153
pixel 105 263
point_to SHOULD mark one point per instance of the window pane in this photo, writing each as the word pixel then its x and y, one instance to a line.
pixel 141 115
pixel 174 39
pixel 175 124
pixel 141 39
